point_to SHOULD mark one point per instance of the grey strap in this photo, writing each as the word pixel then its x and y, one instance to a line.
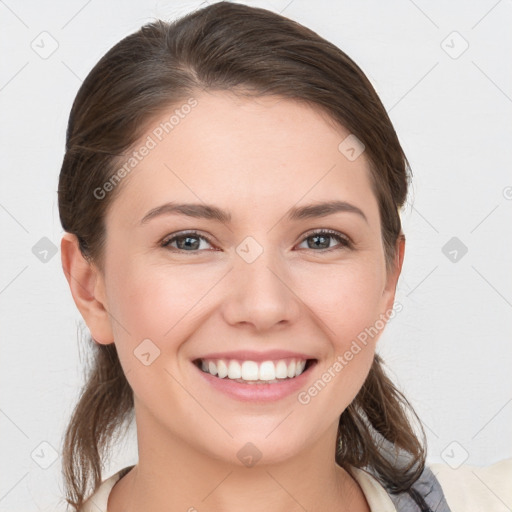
pixel 426 495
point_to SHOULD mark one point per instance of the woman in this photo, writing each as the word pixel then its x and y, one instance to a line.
pixel 230 194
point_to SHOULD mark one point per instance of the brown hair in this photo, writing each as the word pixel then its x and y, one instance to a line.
pixel 251 51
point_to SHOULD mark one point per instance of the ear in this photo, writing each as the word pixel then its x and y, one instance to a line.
pixel 394 272
pixel 87 288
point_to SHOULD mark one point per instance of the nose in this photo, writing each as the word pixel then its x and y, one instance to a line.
pixel 261 294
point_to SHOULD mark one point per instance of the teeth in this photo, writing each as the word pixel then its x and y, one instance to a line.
pixel 269 371
pixel 250 370
pixel 291 369
pixel 234 370
pixel 222 369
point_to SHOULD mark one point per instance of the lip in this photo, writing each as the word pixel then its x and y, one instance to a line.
pixel 258 392
pixel 258 357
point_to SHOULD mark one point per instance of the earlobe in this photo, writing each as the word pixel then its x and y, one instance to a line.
pixel 87 288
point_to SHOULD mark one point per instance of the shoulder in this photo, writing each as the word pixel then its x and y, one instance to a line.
pixel 97 502
pixel 443 489
pixel 474 488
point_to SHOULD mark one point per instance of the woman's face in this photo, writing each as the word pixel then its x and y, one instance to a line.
pixel 261 286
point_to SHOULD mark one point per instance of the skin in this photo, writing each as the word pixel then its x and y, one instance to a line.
pixel 257 159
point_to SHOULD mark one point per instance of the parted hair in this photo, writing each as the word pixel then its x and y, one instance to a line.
pixel 254 52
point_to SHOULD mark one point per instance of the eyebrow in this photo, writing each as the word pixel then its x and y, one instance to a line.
pixel 211 212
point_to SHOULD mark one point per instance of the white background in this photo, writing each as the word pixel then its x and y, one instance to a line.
pixel 449 349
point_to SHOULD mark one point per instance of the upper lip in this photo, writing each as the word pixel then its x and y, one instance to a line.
pixel 251 355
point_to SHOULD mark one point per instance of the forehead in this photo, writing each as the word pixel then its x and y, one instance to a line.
pixel 246 154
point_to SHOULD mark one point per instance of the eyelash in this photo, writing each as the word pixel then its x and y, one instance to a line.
pixel 344 242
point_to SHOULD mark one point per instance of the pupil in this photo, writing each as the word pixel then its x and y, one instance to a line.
pixel 324 238
pixel 187 243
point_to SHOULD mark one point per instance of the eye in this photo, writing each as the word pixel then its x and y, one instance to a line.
pixel 189 241
pixel 321 240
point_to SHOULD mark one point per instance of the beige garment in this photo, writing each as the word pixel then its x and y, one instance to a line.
pixel 476 489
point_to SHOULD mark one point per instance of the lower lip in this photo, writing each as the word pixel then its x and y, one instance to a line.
pixel 257 392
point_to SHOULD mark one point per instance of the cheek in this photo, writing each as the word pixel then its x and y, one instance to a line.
pixel 151 315
pixel 158 303
pixel 154 303
pixel 346 299
pixel 164 304
pixel 347 305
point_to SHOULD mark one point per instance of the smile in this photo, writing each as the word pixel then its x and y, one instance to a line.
pixel 252 372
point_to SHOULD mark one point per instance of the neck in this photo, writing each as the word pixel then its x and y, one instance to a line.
pixel 175 476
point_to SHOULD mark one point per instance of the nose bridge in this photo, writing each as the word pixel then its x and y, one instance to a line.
pixel 260 294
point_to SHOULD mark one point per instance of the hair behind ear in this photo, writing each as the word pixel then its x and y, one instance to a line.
pixel 375 432
pixel 105 404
